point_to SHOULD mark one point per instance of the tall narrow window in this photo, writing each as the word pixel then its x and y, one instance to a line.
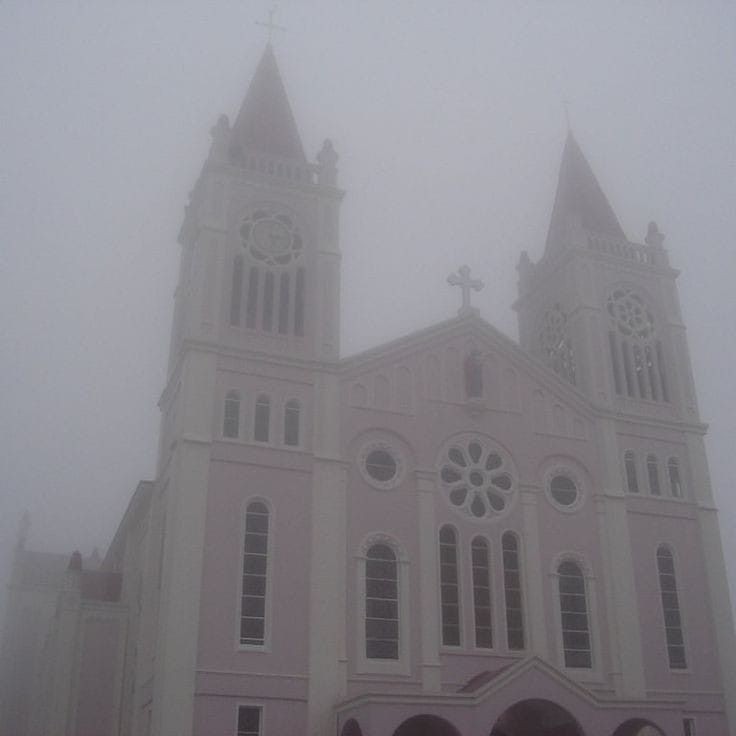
pixel 249 721
pixel 628 368
pixel 261 425
pixel 236 293
pixel 653 473
pixel 652 373
pixel 632 481
pixel 299 303
pixel 449 589
pixel 291 423
pixel 255 571
pixel 252 306
pixel 381 603
pixel 512 591
pixel 616 362
pixel 574 616
pixel 661 371
pixel 640 372
pixel 231 421
pixel 673 470
pixel 482 593
pixel 671 609
pixel 284 304
pixel 268 288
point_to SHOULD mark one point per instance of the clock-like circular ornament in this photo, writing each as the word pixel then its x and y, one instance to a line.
pixel 271 237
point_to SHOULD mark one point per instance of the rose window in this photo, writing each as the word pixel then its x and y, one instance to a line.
pixel 630 315
pixel 271 238
pixel 477 480
pixel 556 348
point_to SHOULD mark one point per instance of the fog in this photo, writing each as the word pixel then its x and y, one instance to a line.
pixel 449 120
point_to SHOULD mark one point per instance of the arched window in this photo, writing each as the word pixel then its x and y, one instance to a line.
pixel 671 609
pixel 574 616
pixel 291 423
pixel 284 303
pixel 632 482
pixel 231 420
pixel 262 420
pixel 255 576
pixel 673 470
pixel 381 603
pixel 252 303
pixel 512 591
pixel 449 588
pixel 268 290
pixel 480 556
pixel 653 474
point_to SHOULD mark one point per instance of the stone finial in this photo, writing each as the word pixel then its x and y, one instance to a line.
pixel 220 134
pixel 654 237
pixel 327 160
pixel 75 561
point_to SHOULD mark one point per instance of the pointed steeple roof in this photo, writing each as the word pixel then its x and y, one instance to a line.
pixel 265 122
pixel 580 199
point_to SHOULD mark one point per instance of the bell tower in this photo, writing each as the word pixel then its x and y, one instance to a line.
pixel 602 311
pixel 260 262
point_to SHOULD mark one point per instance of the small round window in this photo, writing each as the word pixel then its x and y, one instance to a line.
pixel 563 489
pixel 381 465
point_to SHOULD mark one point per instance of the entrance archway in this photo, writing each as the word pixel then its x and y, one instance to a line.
pixel 637 727
pixel 425 725
pixel 536 717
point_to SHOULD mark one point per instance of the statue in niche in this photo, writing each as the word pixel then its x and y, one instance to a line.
pixel 474 374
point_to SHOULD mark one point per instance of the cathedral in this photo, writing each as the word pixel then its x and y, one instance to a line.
pixel 451 534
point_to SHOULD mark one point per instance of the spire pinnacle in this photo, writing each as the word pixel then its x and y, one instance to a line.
pixel 265 123
pixel 579 200
pixel 270 25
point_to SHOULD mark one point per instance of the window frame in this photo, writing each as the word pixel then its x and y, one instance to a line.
pixel 289 407
pixel 260 403
pixel 365 665
pixel 522 596
pixel 266 645
pixel 666 546
pixel 260 707
pixel 458 586
pixel 652 462
pixel 631 454
pixel 491 590
pixel 674 462
pixel 232 396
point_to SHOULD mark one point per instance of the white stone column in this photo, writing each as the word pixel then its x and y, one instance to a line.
pixel 328 574
pixel 429 596
pixel 532 577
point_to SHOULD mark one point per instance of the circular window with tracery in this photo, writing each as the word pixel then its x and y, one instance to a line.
pixel 271 237
pixel 631 315
pixel 476 477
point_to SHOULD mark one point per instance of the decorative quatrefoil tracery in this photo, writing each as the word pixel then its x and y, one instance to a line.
pixel 629 313
pixel 477 479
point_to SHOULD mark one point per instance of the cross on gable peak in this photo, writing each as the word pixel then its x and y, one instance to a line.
pixel 269 24
pixel 464 280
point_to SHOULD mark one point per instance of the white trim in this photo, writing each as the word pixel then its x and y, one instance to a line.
pixel 491 593
pixel 686 670
pixel 372 445
pixel 364 665
pixel 266 646
pixel 450 648
pixel 563 469
pixel 251 704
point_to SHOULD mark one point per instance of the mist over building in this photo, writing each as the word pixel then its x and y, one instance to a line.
pixel 448 533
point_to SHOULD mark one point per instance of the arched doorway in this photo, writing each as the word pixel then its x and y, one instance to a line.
pixel 425 725
pixel 536 718
pixel 637 727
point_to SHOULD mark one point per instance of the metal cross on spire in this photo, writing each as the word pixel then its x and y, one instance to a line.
pixel 466 283
pixel 270 24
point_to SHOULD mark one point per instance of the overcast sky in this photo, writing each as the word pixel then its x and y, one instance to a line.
pixel 449 121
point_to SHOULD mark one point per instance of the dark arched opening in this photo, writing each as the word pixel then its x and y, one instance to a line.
pixel 426 725
pixel 351 728
pixel 536 718
pixel 638 727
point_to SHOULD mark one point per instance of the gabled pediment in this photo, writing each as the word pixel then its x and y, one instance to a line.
pixel 464 361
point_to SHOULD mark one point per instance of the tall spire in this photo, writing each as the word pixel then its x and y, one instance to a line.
pixel 265 123
pixel 579 199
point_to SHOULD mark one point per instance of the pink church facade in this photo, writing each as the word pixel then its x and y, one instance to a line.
pixel 453 533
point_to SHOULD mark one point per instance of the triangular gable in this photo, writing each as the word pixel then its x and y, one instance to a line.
pixel 430 349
